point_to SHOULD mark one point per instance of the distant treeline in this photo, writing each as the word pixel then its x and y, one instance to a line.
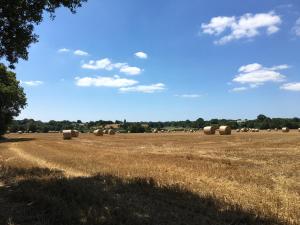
pixel 261 122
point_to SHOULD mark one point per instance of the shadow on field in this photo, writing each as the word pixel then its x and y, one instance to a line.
pixel 5 140
pixel 41 196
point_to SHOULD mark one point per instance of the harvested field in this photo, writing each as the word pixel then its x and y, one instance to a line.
pixel 170 178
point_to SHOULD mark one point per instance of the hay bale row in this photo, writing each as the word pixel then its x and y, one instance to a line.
pixel 244 129
pixel 226 130
pixel 223 130
pixel 284 130
pixel 100 132
pixel 254 130
pixel 69 134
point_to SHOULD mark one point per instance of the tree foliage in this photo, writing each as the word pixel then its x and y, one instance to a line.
pixel 138 127
pixel 17 20
pixel 12 97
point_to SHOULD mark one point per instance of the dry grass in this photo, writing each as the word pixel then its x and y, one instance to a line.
pixel 245 178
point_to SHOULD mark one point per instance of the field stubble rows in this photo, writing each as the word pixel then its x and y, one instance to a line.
pixel 259 172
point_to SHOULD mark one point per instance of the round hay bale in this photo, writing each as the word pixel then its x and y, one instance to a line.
pixel 209 130
pixel 285 130
pixel 256 130
pixel 67 134
pixel 269 130
pixel 276 129
pixel 105 131
pixel 20 132
pixel 98 132
pixel 155 131
pixel 111 132
pixel 75 133
pixel 224 130
pixel 237 130
pixel 299 129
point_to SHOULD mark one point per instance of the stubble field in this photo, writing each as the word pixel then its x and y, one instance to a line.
pixel 176 178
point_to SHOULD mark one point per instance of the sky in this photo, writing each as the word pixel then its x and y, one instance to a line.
pixel 143 60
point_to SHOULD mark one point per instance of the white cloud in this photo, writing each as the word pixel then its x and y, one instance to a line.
pixel 250 68
pixel 189 96
pixel 296 28
pixel 141 55
pixel 291 86
pixel 255 74
pixel 80 53
pixel 218 25
pixel 115 82
pixel 144 88
pixel 130 70
pixel 255 66
pixel 108 65
pixel 280 67
pixel 63 50
pixel 119 65
pixel 247 26
pixel 238 89
pixel 32 83
pixel 99 64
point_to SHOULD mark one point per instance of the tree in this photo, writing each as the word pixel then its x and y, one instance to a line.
pixel 199 123
pixel 214 121
pixel 32 126
pixel 261 117
pixel 12 98
pixel 137 128
pixel 17 20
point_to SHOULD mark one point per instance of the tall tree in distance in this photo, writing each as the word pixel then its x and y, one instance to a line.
pixel 12 98
pixel 17 20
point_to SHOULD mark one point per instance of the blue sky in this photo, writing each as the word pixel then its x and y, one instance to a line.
pixel 165 60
